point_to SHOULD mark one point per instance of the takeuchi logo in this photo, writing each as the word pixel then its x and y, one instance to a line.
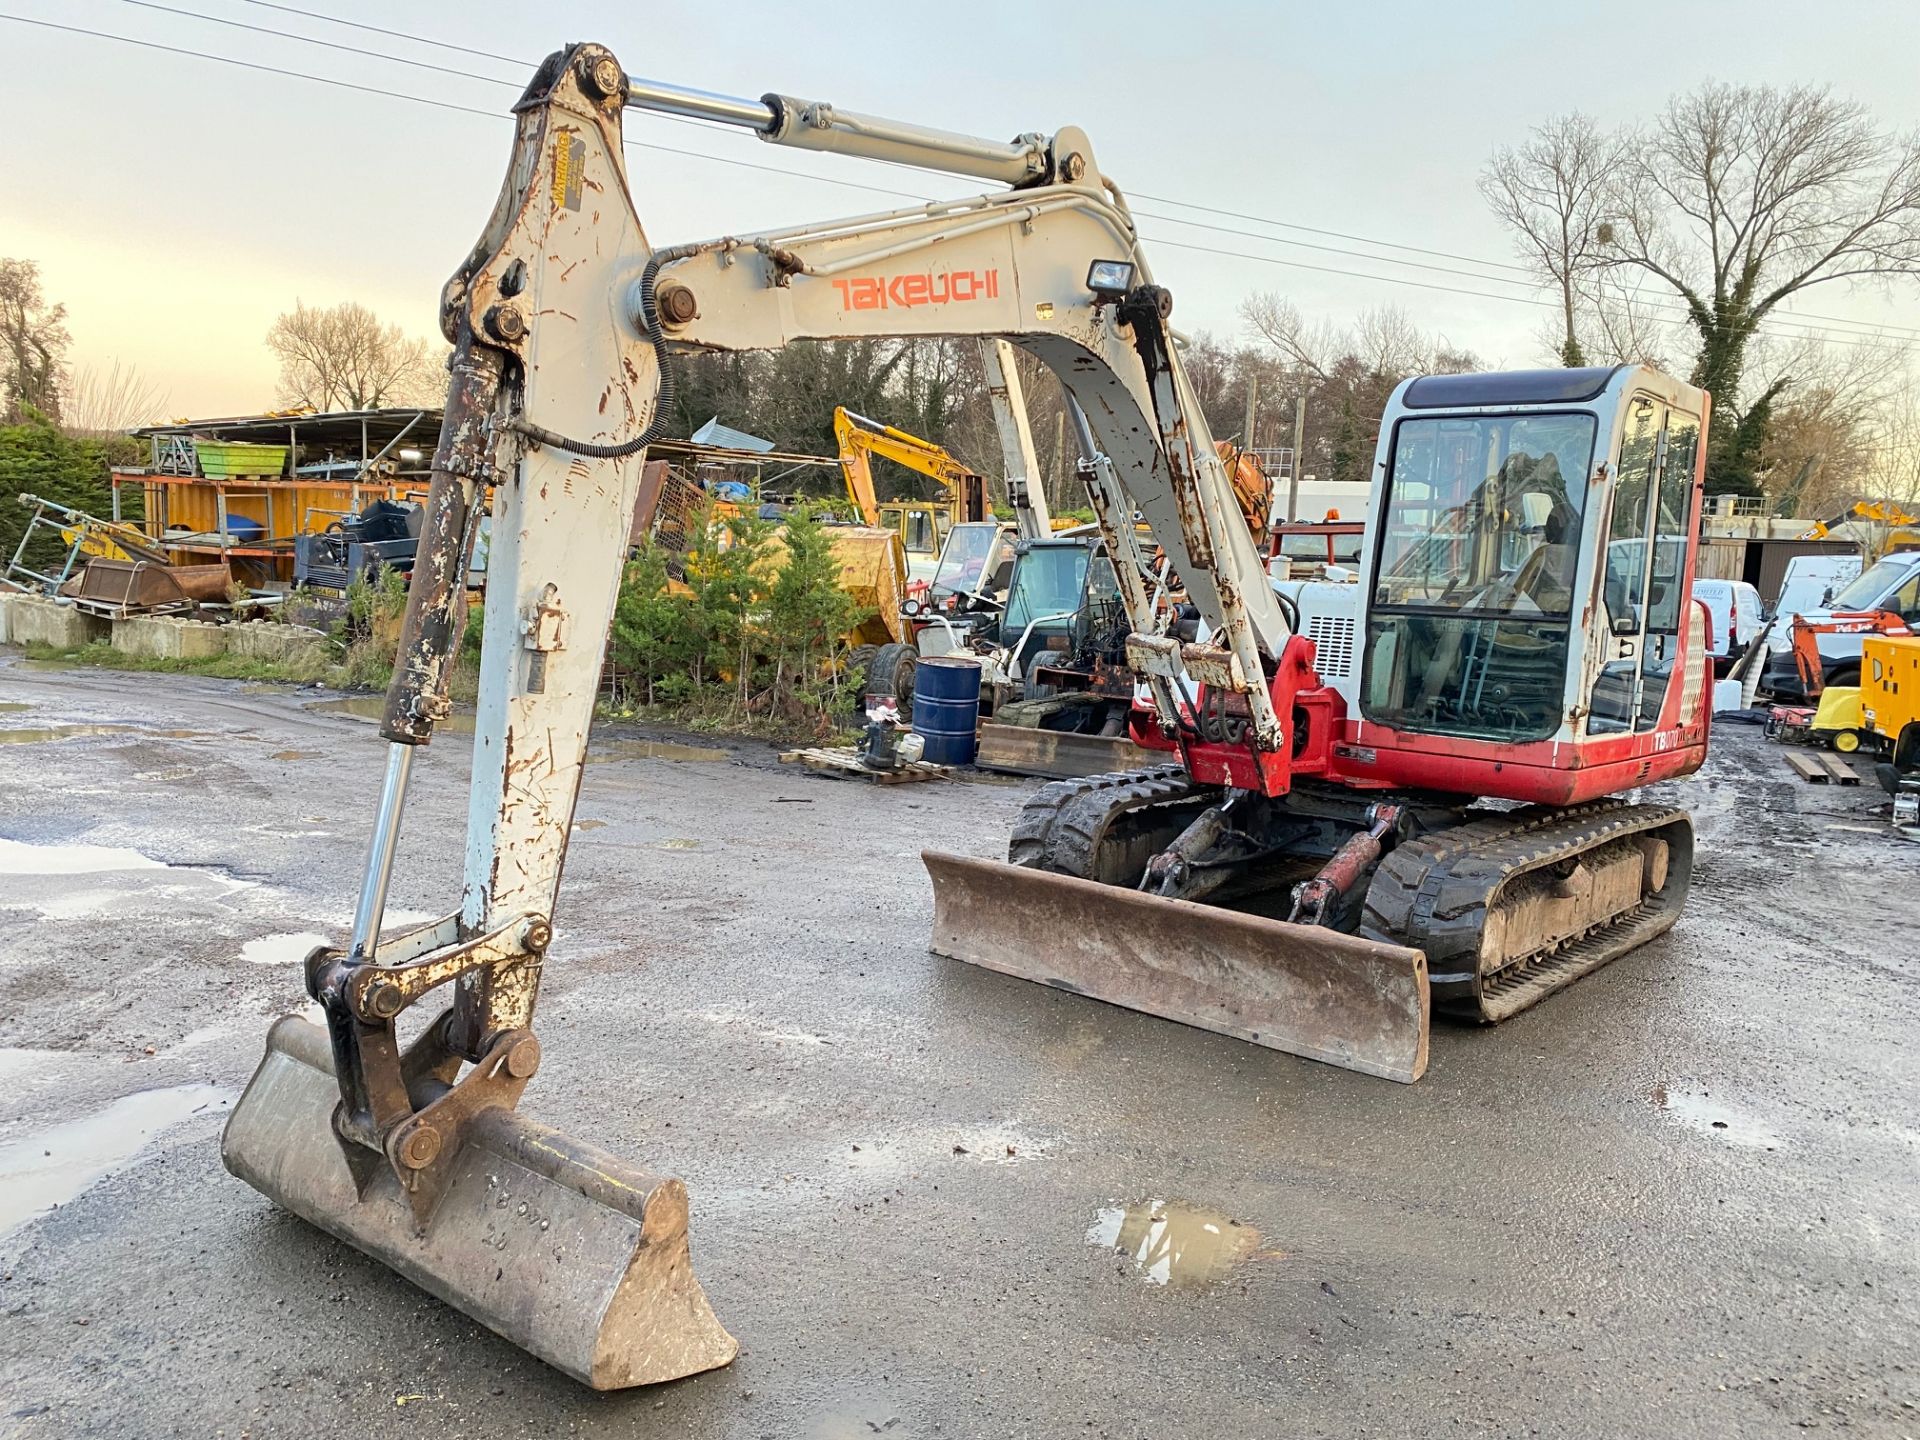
pixel 907 291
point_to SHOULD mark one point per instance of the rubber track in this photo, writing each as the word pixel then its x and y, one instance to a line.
pixel 1432 893
pixel 1060 827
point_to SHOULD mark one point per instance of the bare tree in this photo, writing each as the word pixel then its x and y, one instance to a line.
pixel 1277 320
pixel 1622 326
pixel 1552 192
pixel 1348 372
pixel 1890 474
pixel 33 340
pixel 1740 197
pixel 1383 341
pixel 342 358
pixel 1820 440
pixel 112 401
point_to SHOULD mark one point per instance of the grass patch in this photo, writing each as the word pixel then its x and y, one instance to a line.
pixel 718 715
pixel 102 656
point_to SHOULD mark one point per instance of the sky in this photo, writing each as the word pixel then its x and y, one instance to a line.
pixel 176 204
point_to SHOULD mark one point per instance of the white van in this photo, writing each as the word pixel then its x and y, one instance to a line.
pixel 1892 585
pixel 1733 609
pixel 1810 583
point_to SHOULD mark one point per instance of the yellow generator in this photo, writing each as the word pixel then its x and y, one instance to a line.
pixel 1890 695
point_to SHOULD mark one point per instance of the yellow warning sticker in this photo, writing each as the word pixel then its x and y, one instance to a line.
pixel 569 157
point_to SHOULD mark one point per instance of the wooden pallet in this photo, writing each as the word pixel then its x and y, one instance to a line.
pixel 1817 767
pixel 844 763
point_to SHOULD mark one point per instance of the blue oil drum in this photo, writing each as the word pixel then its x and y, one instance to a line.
pixel 946 708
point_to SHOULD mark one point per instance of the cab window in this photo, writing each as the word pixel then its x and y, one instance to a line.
pixel 919 537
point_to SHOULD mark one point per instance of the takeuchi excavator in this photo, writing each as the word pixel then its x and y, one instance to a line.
pixel 1309 869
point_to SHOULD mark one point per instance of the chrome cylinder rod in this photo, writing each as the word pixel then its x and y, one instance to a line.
pixel 814 125
pixel 386 838
pixel 698 104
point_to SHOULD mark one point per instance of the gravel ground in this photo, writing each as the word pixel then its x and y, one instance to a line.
pixel 1678 1199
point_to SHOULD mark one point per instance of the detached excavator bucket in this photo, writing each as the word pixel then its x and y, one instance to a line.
pixel 1303 989
pixel 555 1245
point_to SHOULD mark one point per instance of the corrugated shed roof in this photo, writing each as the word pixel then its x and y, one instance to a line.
pixel 728 438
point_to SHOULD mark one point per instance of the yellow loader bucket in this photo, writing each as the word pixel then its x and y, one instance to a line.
pixel 555 1245
pixel 1303 989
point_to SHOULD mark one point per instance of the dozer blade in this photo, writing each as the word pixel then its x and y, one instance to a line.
pixel 1303 989
pixel 555 1245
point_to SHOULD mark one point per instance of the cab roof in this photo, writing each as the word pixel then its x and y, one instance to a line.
pixel 1508 387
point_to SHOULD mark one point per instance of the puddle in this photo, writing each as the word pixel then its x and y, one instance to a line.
pixel 1690 1104
pixel 18 858
pixel 10 707
pixel 650 750
pixel 52 1167
pixel 296 754
pixel 282 949
pixel 372 707
pixel 44 733
pixel 1173 1243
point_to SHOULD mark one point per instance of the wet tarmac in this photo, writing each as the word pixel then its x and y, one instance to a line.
pixel 1682 1198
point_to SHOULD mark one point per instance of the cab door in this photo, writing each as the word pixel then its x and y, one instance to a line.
pixel 1645 586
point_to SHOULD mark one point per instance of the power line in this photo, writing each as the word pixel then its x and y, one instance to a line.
pixel 1315 230
pixel 412 98
pixel 250 65
pixel 1333 249
pixel 395 34
pixel 1785 318
pixel 325 44
pixel 1357 274
pixel 1874 328
pixel 1808 333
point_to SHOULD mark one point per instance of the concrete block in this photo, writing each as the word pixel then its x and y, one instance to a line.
pixel 34 618
pixel 6 617
pixel 276 643
pixel 168 637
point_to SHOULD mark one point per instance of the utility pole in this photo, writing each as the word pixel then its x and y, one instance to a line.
pixel 1293 468
pixel 1253 401
pixel 1060 466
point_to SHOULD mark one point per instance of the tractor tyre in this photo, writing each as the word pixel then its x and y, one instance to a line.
pixel 892 672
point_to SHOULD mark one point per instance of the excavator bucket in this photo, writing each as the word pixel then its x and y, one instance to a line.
pixel 1303 989
pixel 555 1245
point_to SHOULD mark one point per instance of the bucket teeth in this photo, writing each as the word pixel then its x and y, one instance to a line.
pixel 557 1246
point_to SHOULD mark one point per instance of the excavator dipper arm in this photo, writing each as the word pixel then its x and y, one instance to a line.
pixel 417 1154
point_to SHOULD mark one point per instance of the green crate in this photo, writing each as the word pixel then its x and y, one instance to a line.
pixel 226 459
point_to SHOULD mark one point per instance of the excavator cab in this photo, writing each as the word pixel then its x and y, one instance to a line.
pixel 1531 559
pixel 1059 590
